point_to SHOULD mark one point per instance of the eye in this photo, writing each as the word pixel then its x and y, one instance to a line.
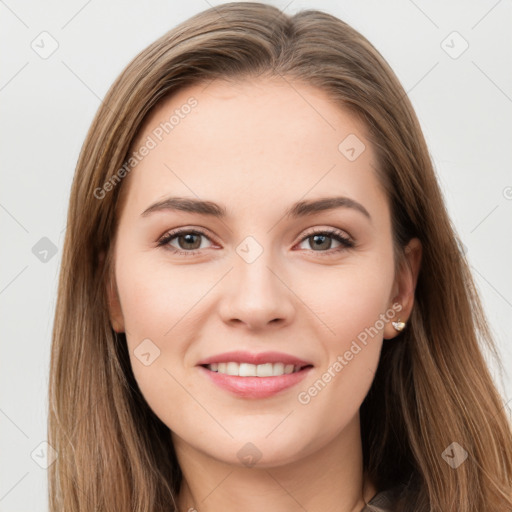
pixel 188 240
pixel 321 239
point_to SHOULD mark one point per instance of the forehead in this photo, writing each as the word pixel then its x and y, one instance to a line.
pixel 252 145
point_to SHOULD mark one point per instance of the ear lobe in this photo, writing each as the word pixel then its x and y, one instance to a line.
pixel 114 305
pixel 405 285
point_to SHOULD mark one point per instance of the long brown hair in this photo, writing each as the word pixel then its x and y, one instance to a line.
pixel 432 386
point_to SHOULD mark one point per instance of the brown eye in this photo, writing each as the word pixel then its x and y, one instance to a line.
pixel 188 241
pixel 321 241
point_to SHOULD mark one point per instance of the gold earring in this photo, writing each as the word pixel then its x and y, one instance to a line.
pixel 399 326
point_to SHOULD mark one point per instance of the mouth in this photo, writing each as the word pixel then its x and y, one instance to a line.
pixel 249 375
pixel 255 370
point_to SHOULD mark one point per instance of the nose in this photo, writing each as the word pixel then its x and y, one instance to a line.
pixel 257 296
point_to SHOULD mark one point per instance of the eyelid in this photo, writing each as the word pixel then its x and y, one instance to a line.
pixel 327 230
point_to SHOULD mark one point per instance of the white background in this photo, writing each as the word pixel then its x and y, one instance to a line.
pixel 464 105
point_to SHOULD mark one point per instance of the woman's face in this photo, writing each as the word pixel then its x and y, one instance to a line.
pixel 257 282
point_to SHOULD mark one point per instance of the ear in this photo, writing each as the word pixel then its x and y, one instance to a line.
pixel 114 305
pixel 405 285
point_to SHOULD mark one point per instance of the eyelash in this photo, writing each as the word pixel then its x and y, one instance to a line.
pixel 346 243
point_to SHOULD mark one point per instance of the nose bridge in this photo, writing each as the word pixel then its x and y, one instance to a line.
pixel 256 295
pixel 253 272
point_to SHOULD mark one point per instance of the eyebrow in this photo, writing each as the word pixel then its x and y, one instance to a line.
pixel 298 209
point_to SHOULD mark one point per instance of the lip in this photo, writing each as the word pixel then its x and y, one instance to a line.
pixel 255 387
pixel 240 356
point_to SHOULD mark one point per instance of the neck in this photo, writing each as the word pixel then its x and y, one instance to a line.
pixel 328 480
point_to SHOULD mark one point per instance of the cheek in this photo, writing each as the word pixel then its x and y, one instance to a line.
pixel 155 297
pixel 353 311
pixel 159 305
pixel 350 299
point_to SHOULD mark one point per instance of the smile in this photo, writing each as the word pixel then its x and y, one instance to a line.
pixel 254 370
pixel 259 386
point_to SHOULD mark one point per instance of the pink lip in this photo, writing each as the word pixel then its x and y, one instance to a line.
pixel 239 356
pixel 255 387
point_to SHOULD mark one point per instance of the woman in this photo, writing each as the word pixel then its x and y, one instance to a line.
pixel 262 301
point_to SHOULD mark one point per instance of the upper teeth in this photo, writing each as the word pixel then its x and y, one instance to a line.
pixel 253 370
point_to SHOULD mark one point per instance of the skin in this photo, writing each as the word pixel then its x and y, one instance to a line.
pixel 257 147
